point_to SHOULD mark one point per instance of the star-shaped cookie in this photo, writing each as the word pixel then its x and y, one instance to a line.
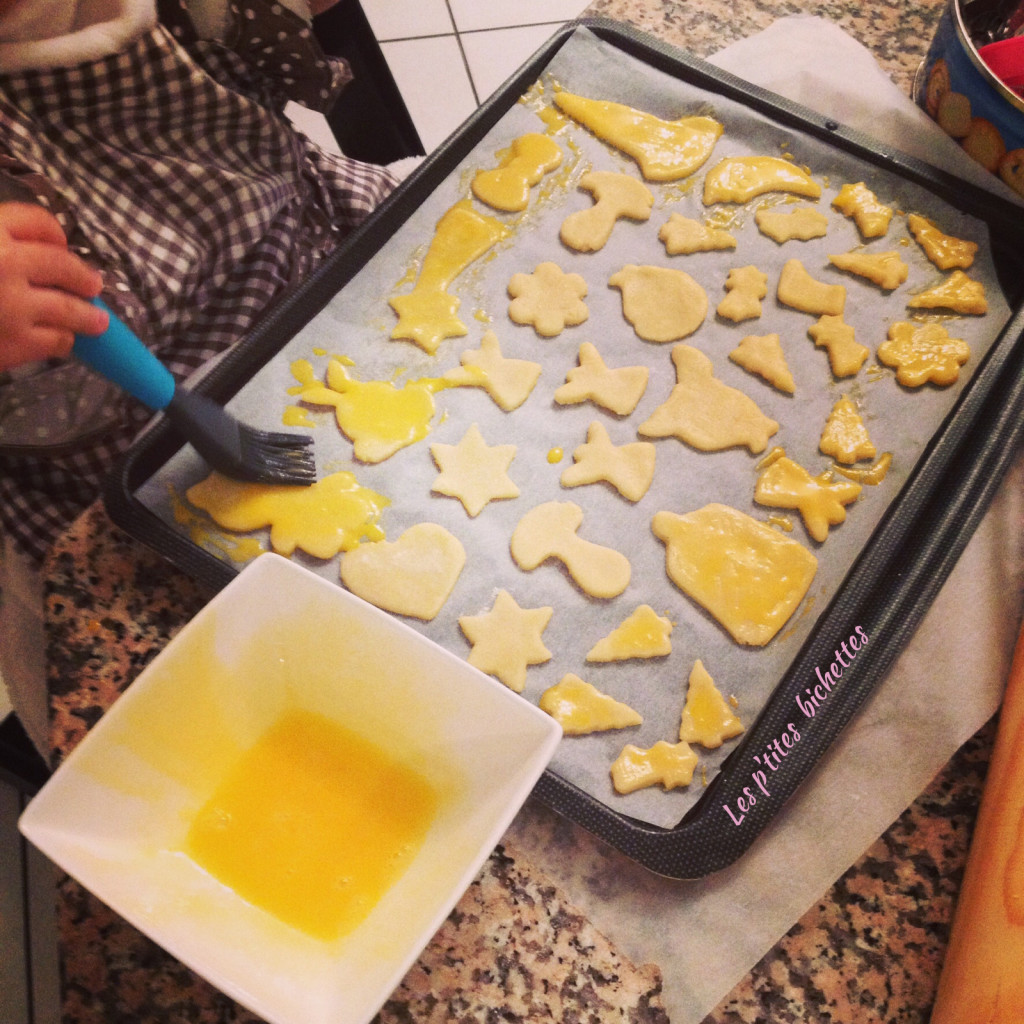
pixel 507 639
pixel 474 471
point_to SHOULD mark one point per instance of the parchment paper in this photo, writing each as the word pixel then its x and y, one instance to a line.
pixel 358 320
pixel 707 935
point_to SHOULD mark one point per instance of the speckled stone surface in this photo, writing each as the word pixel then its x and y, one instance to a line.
pixel 516 948
pixel 897 34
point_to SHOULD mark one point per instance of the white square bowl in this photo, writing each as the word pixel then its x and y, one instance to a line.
pixel 279 638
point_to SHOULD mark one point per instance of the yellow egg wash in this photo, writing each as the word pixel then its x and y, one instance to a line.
pixel 555 455
pixel 639 633
pixel 739 179
pixel 845 436
pixel 707 718
pixel 820 499
pixel 554 120
pixel 296 416
pixel 520 167
pixel 870 475
pixel 749 576
pixel 774 454
pixel 238 549
pixel 334 514
pixel 643 634
pixel 664 150
pixel 378 417
pixel 667 764
pixel 427 314
pixel 313 825
pixel 945 251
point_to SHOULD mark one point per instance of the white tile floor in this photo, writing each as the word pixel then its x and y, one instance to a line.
pixel 448 56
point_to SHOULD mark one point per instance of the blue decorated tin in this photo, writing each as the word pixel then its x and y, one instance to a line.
pixel 960 92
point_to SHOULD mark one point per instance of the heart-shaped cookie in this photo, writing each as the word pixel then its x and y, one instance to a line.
pixel 412 575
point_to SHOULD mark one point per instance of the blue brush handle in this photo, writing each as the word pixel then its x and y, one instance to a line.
pixel 121 357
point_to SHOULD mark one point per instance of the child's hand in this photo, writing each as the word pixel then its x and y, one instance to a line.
pixel 44 288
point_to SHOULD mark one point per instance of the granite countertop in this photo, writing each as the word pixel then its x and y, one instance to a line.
pixel 517 947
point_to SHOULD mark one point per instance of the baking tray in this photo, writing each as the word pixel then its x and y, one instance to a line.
pixel 888 585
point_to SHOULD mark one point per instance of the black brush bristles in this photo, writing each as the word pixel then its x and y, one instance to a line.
pixel 238 450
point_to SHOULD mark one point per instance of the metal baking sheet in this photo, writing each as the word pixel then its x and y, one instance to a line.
pixel 864 565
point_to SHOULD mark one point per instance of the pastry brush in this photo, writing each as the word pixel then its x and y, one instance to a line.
pixel 235 449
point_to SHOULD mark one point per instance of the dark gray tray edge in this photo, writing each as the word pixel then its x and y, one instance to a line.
pixel 886 592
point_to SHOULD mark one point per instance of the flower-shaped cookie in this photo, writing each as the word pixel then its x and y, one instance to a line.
pixel 549 299
pixel 923 352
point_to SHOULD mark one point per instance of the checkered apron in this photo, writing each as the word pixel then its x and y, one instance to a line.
pixel 172 170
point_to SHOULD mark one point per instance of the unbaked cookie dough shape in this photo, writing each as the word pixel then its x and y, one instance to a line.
pixel 427 314
pixel 669 765
pixel 706 413
pixel 947 252
pixel 549 299
pixel 801 224
pixel 520 167
pixel 707 718
pixel 473 471
pixel 377 416
pixel 957 293
pixel 617 389
pixel 739 179
pixel 845 437
pixel 762 354
pixel 548 531
pixel 662 304
pixel 616 196
pixel 749 577
pixel 923 353
pixel 509 382
pixel 745 287
pixel 581 708
pixel 858 202
pixel 664 150
pixel 629 468
pixel 820 500
pixel 506 640
pixel 683 236
pixel 335 513
pixel 846 355
pixel 886 269
pixel 412 575
pixel 642 634
pixel 799 290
